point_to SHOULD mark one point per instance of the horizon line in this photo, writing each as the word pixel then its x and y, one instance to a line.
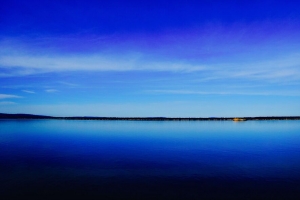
pixel 34 116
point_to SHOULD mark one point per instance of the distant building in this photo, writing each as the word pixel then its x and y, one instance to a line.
pixel 236 119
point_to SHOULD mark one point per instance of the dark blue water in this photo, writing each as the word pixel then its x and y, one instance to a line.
pixel 59 159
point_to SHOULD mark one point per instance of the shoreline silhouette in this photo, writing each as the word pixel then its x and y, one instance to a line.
pixel 31 116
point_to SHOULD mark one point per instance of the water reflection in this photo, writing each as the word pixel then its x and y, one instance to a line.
pixel 33 150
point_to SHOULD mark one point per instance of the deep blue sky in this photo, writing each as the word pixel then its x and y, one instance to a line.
pixel 150 58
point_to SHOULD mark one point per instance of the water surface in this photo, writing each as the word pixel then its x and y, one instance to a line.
pixel 150 159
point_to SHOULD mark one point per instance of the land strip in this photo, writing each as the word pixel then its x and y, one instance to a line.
pixel 29 116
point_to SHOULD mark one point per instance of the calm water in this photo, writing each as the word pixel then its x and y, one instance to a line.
pixel 149 160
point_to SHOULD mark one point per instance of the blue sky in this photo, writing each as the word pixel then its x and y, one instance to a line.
pixel 150 58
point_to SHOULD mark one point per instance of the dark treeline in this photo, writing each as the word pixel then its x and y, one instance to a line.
pixel 29 116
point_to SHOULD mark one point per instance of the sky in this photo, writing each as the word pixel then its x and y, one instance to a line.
pixel 150 58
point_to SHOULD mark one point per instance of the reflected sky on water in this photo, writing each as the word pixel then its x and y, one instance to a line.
pixel 252 149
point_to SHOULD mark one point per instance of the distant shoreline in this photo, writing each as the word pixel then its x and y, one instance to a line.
pixel 29 116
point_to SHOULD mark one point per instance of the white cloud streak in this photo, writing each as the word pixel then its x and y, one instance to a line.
pixel 51 90
pixel 192 92
pixel 286 67
pixel 28 91
pixel 271 59
pixel 7 103
pixel 26 64
pixel 9 96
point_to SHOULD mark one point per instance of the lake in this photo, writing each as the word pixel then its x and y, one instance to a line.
pixel 65 159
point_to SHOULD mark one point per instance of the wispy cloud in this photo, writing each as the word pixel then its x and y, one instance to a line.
pixel 192 92
pixel 28 91
pixel 51 90
pixel 32 64
pixel 7 103
pixel 9 96
pixel 285 67
pixel 281 69
pixel 277 68
pixel 214 52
